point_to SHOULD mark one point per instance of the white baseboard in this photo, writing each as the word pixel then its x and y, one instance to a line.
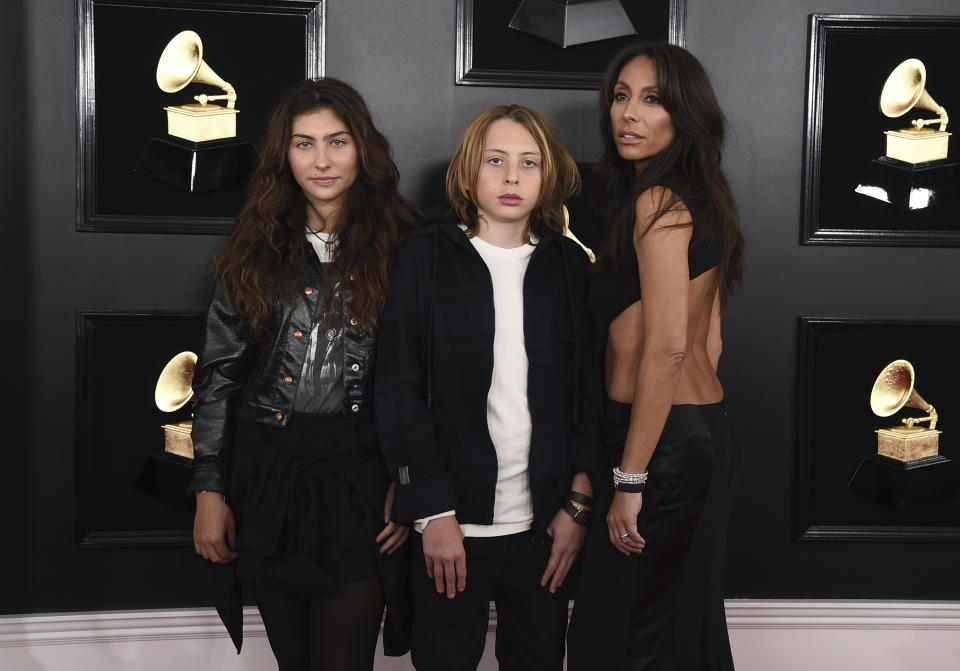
pixel 122 626
pixel 865 615
pixel 765 635
pixel 844 635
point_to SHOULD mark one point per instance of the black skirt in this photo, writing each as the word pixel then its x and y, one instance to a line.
pixel 308 500
pixel 663 609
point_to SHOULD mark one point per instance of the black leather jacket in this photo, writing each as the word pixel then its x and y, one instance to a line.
pixel 259 382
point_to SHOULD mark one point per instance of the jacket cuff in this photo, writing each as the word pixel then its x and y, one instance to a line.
pixel 206 476
pixel 421 524
pixel 424 498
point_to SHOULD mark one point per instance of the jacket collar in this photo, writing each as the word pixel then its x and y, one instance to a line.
pixel 449 226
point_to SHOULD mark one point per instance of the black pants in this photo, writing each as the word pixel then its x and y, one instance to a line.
pixel 449 634
pixel 662 610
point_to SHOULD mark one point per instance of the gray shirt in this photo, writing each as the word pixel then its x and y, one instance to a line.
pixel 320 389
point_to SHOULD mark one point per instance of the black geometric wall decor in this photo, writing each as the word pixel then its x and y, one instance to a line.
pixel 491 53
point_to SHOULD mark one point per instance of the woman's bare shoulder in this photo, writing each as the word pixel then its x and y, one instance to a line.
pixel 660 207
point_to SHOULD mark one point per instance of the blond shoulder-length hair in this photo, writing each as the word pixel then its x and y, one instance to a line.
pixel 559 180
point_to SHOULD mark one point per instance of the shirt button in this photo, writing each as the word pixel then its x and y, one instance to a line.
pixel 288 380
pixel 308 291
pixel 353 276
pixel 355 407
pixel 355 367
pixel 278 416
pixel 331 333
pixel 298 334
pixel 353 322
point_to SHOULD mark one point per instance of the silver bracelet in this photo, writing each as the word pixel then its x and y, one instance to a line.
pixel 621 478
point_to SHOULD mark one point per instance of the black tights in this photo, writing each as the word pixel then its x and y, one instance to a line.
pixel 336 633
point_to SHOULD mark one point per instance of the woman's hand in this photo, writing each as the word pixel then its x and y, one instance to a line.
pixel 214 531
pixel 394 535
pixel 568 537
pixel 622 519
pixel 444 555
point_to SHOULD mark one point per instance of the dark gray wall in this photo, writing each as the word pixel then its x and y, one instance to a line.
pixel 756 52
pixel 14 278
pixel 400 54
pixel 403 64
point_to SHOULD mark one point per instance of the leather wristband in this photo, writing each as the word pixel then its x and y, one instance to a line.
pixel 579 514
pixel 582 499
pixel 630 488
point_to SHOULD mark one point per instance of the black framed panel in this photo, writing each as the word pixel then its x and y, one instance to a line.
pixel 119 357
pixel 839 361
pixel 490 53
pixel 260 47
pixel 849 59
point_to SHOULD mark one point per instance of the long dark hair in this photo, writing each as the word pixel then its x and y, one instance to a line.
pixel 266 249
pixel 693 157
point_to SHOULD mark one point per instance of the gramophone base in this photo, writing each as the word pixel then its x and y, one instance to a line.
pixel 167 477
pixel 911 186
pixel 900 485
pixel 577 23
pixel 908 444
pixel 917 145
pixel 177 440
pixel 198 166
pixel 202 123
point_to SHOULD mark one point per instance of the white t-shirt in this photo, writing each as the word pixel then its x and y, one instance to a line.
pixel 508 415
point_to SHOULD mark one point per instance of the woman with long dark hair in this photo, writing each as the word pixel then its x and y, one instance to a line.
pixel 288 476
pixel 651 595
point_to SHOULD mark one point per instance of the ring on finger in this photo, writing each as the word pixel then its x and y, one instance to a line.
pixel 624 536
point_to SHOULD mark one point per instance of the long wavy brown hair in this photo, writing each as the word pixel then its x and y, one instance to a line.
pixel 559 178
pixel 694 155
pixel 266 252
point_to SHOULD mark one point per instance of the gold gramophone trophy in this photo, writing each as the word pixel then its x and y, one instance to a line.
pixel 174 390
pixel 904 90
pixel 567 23
pixel 201 152
pixel 182 63
pixel 907 468
pixel 568 233
pixel 908 441
pixel 915 172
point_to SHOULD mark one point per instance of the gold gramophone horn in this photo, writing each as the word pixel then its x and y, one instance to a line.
pixel 182 63
pixel 894 389
pixel 568 233
pixel 174 386
pixel 904 90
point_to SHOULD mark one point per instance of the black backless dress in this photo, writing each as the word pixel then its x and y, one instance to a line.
pixel 661 610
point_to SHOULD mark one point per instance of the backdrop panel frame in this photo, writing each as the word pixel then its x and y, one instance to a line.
pixel 146 206
pixel 843 126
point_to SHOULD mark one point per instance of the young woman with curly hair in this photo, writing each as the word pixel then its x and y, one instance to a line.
pixel 290 485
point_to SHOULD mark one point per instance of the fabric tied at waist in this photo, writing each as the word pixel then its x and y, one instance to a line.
pixel 296 488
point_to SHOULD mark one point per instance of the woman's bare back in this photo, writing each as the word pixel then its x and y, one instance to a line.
pixel 698 384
